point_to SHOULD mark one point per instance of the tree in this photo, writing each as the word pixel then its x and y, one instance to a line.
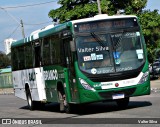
pixel 4 60
pixel 129 6
pixel 75 9
pixel 150 21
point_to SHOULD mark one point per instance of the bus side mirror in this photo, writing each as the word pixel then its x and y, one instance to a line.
pixel 73 46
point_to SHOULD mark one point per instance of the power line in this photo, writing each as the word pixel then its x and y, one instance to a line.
pixel 20 23
pixel 11 33
pixel 10 15
pixel 37 23
pixel 2 42
pixel 29 5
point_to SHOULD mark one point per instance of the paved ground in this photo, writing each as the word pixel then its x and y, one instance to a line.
pixel 155 84
pixel 140 108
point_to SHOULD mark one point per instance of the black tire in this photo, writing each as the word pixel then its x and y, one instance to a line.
pixel 39 105
pixel 42 106
pixel 123 103
pixel 31 104
pixel 34 104
pixel 68 108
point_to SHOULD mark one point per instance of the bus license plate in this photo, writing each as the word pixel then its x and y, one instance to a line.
pixel 118 96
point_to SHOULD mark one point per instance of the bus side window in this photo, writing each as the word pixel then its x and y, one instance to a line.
pixel 37 54
pixel 55 49
pixel 28 56
pixel 46 51
pixel 21 58
pixel 14 59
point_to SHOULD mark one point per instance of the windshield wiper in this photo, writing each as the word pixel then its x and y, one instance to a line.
pixel 98 39
pixel 117 43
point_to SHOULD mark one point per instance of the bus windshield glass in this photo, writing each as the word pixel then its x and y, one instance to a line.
pixel 110 52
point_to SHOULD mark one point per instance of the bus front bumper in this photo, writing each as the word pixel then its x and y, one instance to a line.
pixel 88 96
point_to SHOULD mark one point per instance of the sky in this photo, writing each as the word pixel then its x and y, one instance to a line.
pixel 10 20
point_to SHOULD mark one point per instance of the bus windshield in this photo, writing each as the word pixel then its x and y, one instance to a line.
pixel 109 52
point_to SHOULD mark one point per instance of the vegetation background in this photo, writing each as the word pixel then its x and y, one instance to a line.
pixel 150 20
pixel 76 9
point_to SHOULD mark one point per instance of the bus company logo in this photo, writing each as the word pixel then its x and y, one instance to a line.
pixel 50 74
pixel 6 121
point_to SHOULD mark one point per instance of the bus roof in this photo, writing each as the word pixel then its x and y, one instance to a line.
pixel 51 29
pixel 102 17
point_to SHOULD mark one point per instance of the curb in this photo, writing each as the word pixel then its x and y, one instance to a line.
pixel 6 91
pixel 12 93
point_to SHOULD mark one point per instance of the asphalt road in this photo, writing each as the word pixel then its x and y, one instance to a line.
pixel 139 108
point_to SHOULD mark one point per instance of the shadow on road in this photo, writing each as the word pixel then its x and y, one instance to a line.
pixel 94 108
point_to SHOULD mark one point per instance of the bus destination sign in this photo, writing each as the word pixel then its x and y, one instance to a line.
pixel 105 25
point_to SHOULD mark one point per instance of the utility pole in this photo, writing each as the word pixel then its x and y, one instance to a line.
pixel 21 22
pixel 99 7
pixel 23 35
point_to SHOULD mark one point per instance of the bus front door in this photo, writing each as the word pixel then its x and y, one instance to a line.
pixel 71 73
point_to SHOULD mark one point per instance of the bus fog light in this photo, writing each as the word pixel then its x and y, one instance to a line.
pixel 144 78
pixel 86 85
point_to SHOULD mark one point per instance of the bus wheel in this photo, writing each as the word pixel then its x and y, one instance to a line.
pixel 31 104
pixel 64 106
pixel 122 103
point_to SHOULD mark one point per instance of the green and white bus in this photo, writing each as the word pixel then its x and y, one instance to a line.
pixel 102 58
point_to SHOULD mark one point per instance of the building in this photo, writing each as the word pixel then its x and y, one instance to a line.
pixel 7 44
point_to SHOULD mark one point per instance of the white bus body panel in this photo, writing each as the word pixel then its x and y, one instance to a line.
pixel 35 80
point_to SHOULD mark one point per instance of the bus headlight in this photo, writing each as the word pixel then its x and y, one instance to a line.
pixel 86 85
pixel 144 78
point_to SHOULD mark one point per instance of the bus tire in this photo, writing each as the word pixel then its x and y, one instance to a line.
pixel 123 103
pixel 42 106
pixel 39 105
pixel 31 103
pixel 68 108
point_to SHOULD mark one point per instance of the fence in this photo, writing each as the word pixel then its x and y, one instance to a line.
pixel 6 78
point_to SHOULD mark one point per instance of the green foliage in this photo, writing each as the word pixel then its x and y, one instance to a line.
pixel 75 9
pixel 4 60
pixel 129 6
pixel 150 21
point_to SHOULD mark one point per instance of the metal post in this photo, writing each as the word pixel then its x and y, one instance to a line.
pixel 99 7
pixel 23 35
